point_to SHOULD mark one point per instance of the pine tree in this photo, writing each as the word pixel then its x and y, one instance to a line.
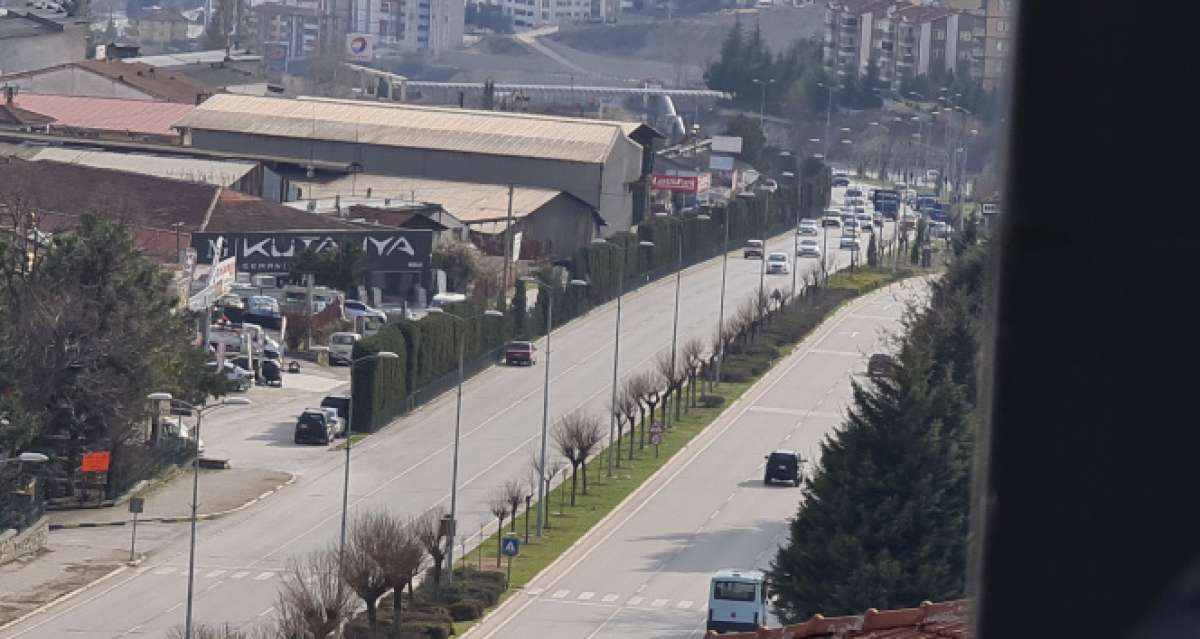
pixel 883 522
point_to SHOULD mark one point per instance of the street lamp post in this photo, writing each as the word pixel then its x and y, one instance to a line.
pixel 228 401
pixel 462 340
pixel 612 418
pixel 762 104
pixel 541 513
pixel 349 440
pixel 721 309
pixel 678 278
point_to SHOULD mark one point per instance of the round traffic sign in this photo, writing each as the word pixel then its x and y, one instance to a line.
pixel 655 438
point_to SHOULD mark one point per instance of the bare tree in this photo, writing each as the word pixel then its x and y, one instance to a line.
pixel 399 557
pixel 498 504
pixel 427 531
pixel 693 359
pixel 577 435
pixel 652 382
pixel 629 402
pixel 313 596
pixel 205 631
pixel 514 494
pixel 360 569
pixel 672 372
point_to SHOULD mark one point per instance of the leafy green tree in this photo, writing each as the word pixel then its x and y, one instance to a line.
pixel 99 329
pixel 753 140
pixel 341 267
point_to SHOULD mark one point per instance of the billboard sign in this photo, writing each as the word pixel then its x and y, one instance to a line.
pixel 726 144
pixel 681 183
pixel 360 47
pixel 720 162
pixel 392 250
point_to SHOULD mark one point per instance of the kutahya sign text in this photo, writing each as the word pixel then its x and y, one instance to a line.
pixel 396 250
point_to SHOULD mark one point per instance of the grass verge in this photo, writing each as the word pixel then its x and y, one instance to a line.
pixel 354 440
pixel 570 523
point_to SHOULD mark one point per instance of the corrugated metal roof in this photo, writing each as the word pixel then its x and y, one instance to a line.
pixel 217 173
pixel 467 201
pixel 465 131
pixel 108 114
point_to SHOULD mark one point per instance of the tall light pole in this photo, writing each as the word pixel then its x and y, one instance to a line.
pixel 762 104
pixel 762 271
pixel 678 278
pixel 349 440
pixel 461 325
pixel 612 418
pixel 541 513
pixel 721 309
pixel 828 111
pixel 199 411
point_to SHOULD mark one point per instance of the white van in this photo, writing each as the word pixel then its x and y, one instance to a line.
pixel 737 601
pixel 341 347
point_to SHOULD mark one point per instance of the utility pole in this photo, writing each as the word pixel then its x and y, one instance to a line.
pixel 508 257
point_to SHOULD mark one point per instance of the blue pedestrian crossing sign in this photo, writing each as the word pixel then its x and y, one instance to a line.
pixel 510 546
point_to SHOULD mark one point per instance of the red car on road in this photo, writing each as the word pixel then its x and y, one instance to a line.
pixel 520 353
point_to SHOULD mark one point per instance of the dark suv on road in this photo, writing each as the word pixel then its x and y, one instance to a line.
pixel 783 465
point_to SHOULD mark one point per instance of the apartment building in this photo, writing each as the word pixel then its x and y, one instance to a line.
pixel 428 26
pixel 290 31
pixel 996 41
pixel 904 39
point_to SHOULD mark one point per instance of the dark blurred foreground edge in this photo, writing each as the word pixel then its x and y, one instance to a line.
pixel 1086 519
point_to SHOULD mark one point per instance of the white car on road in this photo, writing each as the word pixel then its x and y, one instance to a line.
pixel 850 242
pixel 778 263
pixel 808 248
pixel 355 308
pixel 807 227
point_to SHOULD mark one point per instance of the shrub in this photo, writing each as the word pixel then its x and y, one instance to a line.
pixel 762 351
pixel 735 373
pixel 426 614
pixel 425 630
pixel 711 401
pixel 466 610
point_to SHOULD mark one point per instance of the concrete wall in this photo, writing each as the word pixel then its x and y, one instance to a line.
pixel 41 51
pixel 602 186
pixel 14 545
pixel 75 82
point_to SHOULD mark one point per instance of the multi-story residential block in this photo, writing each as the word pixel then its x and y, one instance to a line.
pixel 997 37
pixel 160 26
pixel 904 40
pixel 295 27
pixel 428 26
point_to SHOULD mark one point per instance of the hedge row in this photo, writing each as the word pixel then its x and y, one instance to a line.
pixel 427 349
pixel 430 615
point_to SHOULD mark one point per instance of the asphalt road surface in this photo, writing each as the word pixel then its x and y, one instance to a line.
pixel 644 572
pixel 405 469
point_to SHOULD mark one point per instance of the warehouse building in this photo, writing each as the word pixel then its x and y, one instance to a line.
pixel 599 162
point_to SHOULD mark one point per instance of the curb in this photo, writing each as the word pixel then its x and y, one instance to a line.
pixel 183 518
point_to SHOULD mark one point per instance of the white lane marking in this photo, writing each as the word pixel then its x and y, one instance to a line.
pixel 877 318
pixel 215 573
pixel 604 623
pixel 795 412
pixel 633 601
pixel 214 585
pixel 714 514
pixel 533 592
pixel 641 588
pixel 183 573
pixel 684 605
pixel 559 594
pixel 164 571
pixel 173 608
pixel 609 598
pixel 658 603
pixel 586 596
pixel 268 611
pixel 241 574
pixel 826 351
pixel 263 576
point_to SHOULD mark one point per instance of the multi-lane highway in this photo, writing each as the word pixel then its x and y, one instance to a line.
pixel 404 469
pixel 645 571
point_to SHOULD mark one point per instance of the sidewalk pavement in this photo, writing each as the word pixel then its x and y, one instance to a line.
pixel 222 492
pixel 85 546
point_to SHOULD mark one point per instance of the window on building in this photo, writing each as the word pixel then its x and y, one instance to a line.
pixel 939 34
pixel 1002 26
pixel 964 36
pixel 999 45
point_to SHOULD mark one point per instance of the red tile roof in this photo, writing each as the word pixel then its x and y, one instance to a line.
pixel 106 114
pixel 948 620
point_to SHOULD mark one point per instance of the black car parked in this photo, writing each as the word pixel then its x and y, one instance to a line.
pixel 313 426
pixel 783 465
